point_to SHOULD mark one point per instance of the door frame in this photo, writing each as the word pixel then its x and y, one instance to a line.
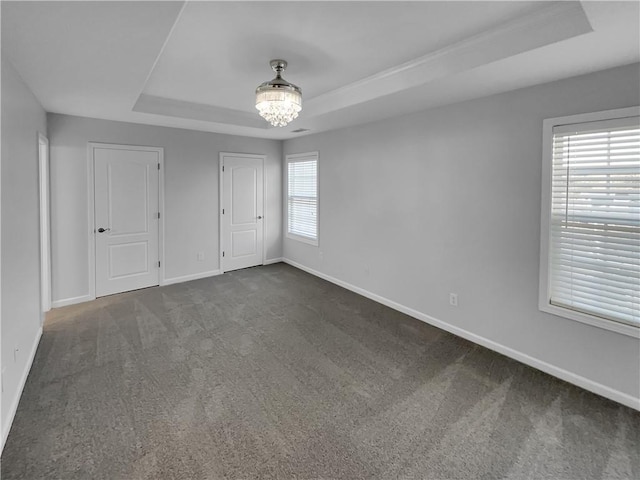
pixel 91 202
pixel 221 158
pixel 44 198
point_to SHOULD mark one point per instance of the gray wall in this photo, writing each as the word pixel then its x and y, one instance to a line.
pixel 191 195
pixel 21 318
pixel 448 200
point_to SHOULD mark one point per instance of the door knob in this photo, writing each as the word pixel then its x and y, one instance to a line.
pixel 259 217
pixel 100 230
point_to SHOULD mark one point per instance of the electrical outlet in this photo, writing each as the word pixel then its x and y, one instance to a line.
pixel 453 299
pixel 201 256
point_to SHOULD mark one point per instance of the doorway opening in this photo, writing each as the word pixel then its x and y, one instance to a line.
pixel 45 232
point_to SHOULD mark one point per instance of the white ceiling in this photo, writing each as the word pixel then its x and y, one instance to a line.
pixel 196 64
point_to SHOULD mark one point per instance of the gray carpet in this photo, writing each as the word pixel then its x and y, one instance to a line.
pixel 272 373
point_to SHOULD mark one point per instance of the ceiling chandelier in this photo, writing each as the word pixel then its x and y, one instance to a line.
pixel 278 101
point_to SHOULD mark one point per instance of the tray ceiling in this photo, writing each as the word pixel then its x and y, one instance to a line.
pixel 196 64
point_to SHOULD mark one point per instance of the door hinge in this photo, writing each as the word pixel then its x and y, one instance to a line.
pixel 223 211
pixel 223 168
pixel 223 254
pixel 158 263
pixel 158 214
pixel 158 166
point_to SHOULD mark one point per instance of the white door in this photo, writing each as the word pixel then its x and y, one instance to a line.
pixel 242 207
pixel 126 218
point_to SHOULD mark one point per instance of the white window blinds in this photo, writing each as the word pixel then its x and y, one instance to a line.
pixel 595 219
pixel 302 197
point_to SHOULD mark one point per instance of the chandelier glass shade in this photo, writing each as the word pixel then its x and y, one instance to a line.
pixel 278 101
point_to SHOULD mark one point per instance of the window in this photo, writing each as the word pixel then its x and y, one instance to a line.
pixel 590 243
pixel 302 197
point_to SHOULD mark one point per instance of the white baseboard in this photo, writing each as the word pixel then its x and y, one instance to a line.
pixel 273 260
pixel 71 301
pixel 193 276
pixel 553 370
pixel 6 428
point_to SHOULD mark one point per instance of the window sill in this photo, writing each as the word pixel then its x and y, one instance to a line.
pixel 594 321
pixel 300 238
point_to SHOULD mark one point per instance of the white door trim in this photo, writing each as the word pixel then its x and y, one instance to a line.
pixel 45 223
pixel 221 158
pixel 91 201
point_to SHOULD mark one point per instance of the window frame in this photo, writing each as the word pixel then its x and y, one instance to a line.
pixel 544 303
pixel 301 157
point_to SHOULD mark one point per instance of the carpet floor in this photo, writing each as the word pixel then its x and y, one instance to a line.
pixel 270 372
